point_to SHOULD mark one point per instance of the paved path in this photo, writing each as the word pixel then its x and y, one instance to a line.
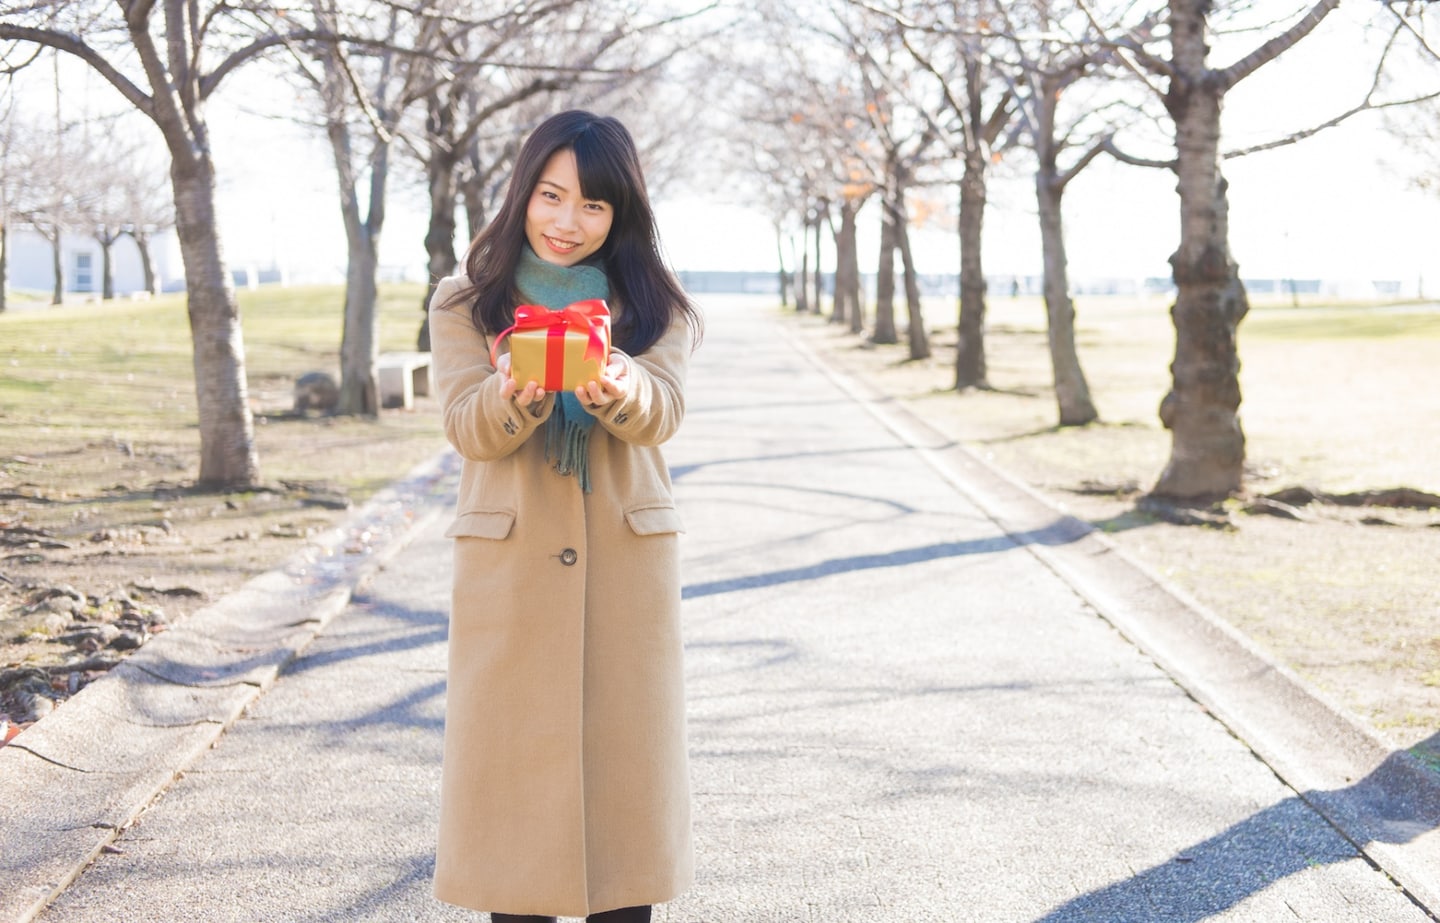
pixel 899 712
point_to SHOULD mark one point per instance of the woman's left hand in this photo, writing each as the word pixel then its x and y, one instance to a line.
pixel 612 386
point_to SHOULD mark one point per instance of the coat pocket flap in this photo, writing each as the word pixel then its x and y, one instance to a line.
pixel 654 520
pixel 482 524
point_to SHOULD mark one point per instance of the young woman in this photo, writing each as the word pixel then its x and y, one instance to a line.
pixel 565 787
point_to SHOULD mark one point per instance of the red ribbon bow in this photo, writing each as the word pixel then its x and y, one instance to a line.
pixel 592 316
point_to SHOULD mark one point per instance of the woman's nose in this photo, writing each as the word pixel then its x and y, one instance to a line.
pixel 565 218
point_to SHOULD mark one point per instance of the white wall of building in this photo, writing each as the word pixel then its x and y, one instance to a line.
pixel 30 264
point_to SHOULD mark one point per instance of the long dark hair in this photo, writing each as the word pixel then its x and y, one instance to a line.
pixel 647 292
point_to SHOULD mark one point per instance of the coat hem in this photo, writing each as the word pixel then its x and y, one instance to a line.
pixel 483 906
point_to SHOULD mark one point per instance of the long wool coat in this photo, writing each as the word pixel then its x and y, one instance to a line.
pixel 565 788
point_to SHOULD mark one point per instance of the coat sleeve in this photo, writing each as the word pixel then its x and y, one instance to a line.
pixel 480 424
pixel 652 410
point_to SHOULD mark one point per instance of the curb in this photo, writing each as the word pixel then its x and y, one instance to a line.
pixel 85 772
pixel 1384 801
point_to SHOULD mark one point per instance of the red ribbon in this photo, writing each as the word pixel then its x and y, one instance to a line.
pixel 592 316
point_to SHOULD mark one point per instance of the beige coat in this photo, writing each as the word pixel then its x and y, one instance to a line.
pixel 565 787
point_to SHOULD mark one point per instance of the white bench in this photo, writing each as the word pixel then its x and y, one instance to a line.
pixel 402 377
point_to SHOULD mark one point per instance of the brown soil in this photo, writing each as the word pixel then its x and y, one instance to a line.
pixel 103 545
pixel 1347 596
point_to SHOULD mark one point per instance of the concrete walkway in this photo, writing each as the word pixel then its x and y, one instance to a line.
pixel 914 696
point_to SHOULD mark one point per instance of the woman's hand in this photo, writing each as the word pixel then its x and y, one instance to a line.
pixel 532 391
pixel 611 386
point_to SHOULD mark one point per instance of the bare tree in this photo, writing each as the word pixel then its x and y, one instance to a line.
pixel 103 210
pixel 364 83
pixel 167 60
pixel 1201 409
pixel 795 123
pixel 905 133
pixel 8 179
pixel 42 194
pixel 950 40
pixel 149 211
pixel 1054 50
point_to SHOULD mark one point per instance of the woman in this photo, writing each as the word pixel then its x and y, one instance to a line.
pixel 565 787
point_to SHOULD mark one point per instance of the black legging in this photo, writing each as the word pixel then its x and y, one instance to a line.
pixel 623 915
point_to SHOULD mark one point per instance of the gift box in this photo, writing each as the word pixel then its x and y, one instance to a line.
pixel 562 349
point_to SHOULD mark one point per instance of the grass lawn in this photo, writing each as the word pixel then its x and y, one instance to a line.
pixel 96 382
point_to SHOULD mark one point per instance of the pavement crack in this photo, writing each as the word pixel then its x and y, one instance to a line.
pixel 195 685
pixel 53 762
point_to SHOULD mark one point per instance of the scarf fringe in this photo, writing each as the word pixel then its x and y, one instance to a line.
pixel 567 439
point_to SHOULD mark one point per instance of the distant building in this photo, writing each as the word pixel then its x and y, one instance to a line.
pixel 31 261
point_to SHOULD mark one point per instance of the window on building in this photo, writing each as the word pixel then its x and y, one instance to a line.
pixel 84 272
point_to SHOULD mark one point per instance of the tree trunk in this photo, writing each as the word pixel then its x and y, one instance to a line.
pixel 885 274
pixel 1207 454
pixel 440 169
pixel 107 270
pixel 1072 392
pixel 847 270
pixel 856 291
pixel 779 261
pixel 440 235
pixel 802 290
pixel 839 301
pixel 360 339
pixel 57 263
pixel 917 338
pixel 147 261
pixel 472 195
pixel 820 214
pixel 227 429
pixel 4 262
pixel 970 368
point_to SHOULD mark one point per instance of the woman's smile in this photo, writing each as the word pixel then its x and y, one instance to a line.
pixel 563 226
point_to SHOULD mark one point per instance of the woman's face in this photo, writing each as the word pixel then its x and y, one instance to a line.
pixel 563 226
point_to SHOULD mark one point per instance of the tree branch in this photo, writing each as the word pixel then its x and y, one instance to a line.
pixel 1408 26
pixel 1365 106
pixel 1096 150
pixel 1108 146
pixel 72 44
pixel 1272 49
pixel 1124 47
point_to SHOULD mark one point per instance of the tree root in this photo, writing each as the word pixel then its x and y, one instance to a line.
pixel 1393 498
pixel 1293 503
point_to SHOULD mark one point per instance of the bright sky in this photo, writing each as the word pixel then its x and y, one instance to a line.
pixel 1329 208
pixel 1335 206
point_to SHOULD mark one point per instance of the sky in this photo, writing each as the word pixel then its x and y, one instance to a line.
pixel 1338 206
pixel 1333 207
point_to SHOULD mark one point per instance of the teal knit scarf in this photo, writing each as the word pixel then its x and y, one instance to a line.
pixel 567 434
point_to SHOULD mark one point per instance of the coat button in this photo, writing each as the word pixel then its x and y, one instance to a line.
pixel 568 557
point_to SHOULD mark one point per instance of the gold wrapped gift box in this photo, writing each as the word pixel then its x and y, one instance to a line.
pixel 561 350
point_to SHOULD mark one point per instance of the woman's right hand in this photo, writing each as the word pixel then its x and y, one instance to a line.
pixel 532 391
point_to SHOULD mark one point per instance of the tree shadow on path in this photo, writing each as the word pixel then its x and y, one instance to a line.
pixel 1061 532
pixel 1395 804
